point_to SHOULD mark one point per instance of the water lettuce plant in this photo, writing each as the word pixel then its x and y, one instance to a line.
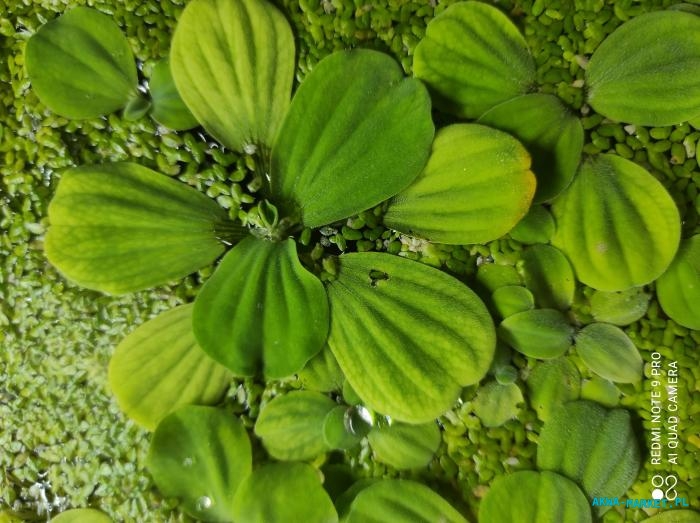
pixel 393 341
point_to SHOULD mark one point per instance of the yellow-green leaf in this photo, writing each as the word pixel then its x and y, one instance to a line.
pixel 82 515
pixel 405 446
pixel 538 333
pixel 679 287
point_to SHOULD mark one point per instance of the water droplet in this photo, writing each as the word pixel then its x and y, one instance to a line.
pixel 187 462
pixel 204 503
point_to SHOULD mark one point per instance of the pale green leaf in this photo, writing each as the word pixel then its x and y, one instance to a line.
pixel 608 351
pixel 534 497
pixel 423 334
pixel 405 446
pixel 168 109
pixel 400 501
pixel 476 186
pixel 200 455
pixel 646 72
pixel 357 133
pixel 538 333
pixel 81 65
pixel 473 58
pixel 291 426
pixel 511 299
pixel 82 515
pixel 548 274
pixel 281 493
pixel 261 311
pixel 344 427
pixel 551 384
pixel 679 287
pixel 159 367
pixel 495 403
pixel 591 445
pixel 620 308
pixel 550 131
pixel 121 227
pixel 616 224
pixel 537 226
pixel 233 65
pixel 601 391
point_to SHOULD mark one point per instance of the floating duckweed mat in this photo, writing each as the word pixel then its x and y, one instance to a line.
pixel 64 442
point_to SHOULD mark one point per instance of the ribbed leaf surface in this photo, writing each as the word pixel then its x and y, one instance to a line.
pixel 261 311
pixel 357 133
pixel 400 501
pixel 616 224
pixel 609 352
pixel 81 65
pixel 200 455
pixel 121 227
pixel 647 72
pixel 534 497
pixel 291 426
pixel 473 58
pixel 679 287
pixel 476 186
pixel 408 337
pixel 233 64
pixel 159 367
pixel 593 446
pixel 550 131
pixel 405 446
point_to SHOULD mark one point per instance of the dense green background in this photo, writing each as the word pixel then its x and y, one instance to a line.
pixel 63 441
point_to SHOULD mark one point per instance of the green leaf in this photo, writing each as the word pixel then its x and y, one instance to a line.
pixel 551 384
pixel 537 226
pixel 423 334
pixel 537 333
pixel 344 427
pixel 405 446
pixel 82 515
pixel 675 516
pixel 616 224
pixel 233 65
pixel 495 403
pixel 550 131
pixel 291 426
pixel 512 299
pixel 120 228
pixel 646 71
pixel 168 108
pixel 463 195
pixel 548 274
pixel 620 308
pixel 400 501
pixel 357 133
pixel 591 445
pixel 473 58
pixel 601 391
pixel 200 455
pixel 491 276
pixel 679 287
pixel 81 65
pixel 608 351
pixel 322 373
pixel 261 310
pixel 282 492
pixel 159 367
pixel 537 497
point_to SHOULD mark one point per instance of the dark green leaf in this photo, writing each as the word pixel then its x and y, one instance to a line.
pixel 400 501
pixel 121 227
pixel 423 334
pixel 646 72
pixel 551 384
pixel 473 58
pixel 495 403
pixel 616 224
pixel 81 65
pixel 405 446
pixel 534 497
pixel 679 287
pixel 608 351
pixel 538 333
pixel 357 133
pixel 593 446
pixel 233 64
pixel 463 195
pixel 262 311
pixel 283 492
pixel 291 426
pixel 168 108
pixel 549 131
pixel 159 367
pixel 201 455
pixel 548 274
